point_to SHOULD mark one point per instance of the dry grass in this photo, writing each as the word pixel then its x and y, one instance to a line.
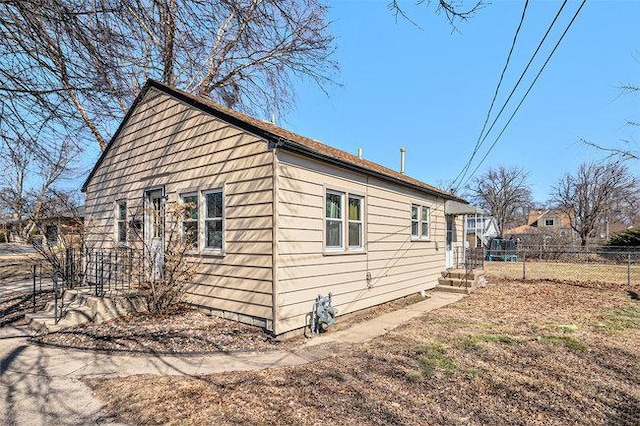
pixel 580 272
pixel 513 353
pixel 182 331
pixel 188 331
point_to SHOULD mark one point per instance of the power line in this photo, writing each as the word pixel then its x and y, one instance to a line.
pixel 495 94
pixel 515 87
pixel 527 92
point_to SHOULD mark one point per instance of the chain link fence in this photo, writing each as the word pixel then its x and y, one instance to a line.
pixel 596 265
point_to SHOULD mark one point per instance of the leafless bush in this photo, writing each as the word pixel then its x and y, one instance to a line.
pixel 165 272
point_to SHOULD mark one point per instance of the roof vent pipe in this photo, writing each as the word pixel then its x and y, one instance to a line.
pixel 360 153
pixel 402 153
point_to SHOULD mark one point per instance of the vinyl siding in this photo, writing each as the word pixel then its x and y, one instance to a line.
pixel 398 265
pixel 168 143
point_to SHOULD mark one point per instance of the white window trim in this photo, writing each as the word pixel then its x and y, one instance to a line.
pixel 360 247
pixel 118 220
pixel 428 222
pixel 202 220
pixel 196 220
pixel 341 220
pixel 345 249
pixel 416 220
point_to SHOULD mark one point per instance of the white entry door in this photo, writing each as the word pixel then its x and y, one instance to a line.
pixel 154 230
pixel 448 253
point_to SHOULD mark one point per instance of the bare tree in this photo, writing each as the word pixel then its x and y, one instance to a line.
pixel 15 160
pixel 29 184
pixel 626 149
pixel 453 10
pixel 595 191
pixel 504 192
pixel 70 68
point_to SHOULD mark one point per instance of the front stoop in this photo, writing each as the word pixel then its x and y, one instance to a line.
pixel 79 307
pixel 461 281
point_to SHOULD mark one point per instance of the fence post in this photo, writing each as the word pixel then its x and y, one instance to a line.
pixel 524 265
pixel 629 270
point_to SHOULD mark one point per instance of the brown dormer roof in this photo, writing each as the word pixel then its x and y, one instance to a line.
pixel 279 137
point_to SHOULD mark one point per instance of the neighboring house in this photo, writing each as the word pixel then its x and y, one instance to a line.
pixel 480 229
pixel 279 218
pixel 60 229
pixel 545 228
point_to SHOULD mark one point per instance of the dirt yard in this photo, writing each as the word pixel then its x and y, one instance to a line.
pixel 189 331
pixel 511 353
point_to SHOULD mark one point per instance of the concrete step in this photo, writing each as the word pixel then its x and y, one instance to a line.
pixel 455 282
pixel 81 308
pixel 452 289
pixel 462 274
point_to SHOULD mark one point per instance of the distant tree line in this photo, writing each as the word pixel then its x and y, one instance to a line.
pixel 597 193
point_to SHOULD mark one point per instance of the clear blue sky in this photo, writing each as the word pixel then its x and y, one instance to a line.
pixel 429 90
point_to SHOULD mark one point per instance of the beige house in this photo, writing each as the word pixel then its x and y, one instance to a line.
pixel 547 221
pixel 280 218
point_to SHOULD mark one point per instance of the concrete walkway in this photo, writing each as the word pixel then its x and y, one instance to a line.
pixel 41 385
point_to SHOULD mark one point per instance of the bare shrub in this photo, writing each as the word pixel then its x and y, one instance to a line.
pixel 165 272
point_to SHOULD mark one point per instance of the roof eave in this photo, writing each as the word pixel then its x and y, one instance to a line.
pixel 277 140
pixel 301 149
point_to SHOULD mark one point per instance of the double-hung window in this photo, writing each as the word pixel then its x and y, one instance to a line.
pixel 355 223
pixel 121 221
pixel 190 219
pixel 424 222
pixel 415 223
pixel 334 221
pixel 213 220
pixel 344 219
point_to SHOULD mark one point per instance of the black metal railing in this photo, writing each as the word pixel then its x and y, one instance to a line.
pixel 103 270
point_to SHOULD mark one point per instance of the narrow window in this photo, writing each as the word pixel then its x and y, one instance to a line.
pixel 424 222
pixel 471 223
pixel 121 221
pixel 415 224
pixel 213 231
pixel 190 220
pixel 355 222
pixel 334 223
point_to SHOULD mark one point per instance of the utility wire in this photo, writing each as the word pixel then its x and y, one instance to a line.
pixel 504 105
pixel 495 95
pixel 526 93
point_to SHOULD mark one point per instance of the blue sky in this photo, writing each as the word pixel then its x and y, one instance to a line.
pixel 429 90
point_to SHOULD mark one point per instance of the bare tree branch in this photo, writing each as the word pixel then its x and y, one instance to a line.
pixel 71 67
pixel 453 10
pixel 595 191
pixel 504 192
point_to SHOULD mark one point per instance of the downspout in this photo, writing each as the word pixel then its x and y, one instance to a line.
pixel 274 242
